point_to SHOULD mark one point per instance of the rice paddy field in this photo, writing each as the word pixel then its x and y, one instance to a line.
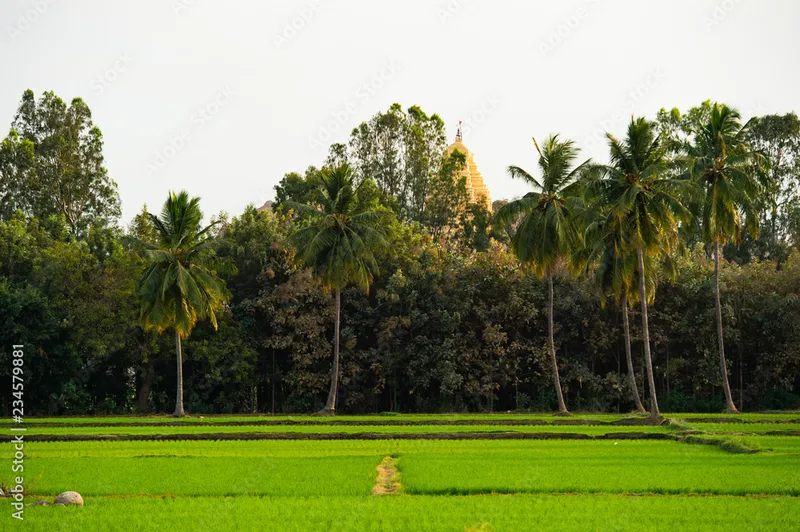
pixel 447 472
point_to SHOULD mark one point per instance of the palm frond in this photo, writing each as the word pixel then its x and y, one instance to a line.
pixel 176 289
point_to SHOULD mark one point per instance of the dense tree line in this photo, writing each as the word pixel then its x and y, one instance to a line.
pixel 442 316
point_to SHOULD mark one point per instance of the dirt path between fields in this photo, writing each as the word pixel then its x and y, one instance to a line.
pixel 388 480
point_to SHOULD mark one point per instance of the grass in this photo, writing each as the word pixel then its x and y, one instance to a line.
pixel 191 419
pixel 207 449
pixel 678 424
pixel 746 416
pixel 387 418
pixel 599 467
pixel 731 445
pixel 195 476
pixel 746 427
pixel 349 429
pixel 446 484
pixel 485 513
pixel 767 444
pixel 429 467
pixel 209 468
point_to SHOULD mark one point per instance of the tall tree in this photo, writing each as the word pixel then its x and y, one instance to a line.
pixel 615 269
pixel 643 200
pixel 296 188
pixel 727 168
pixel 778 200
pixel 141 229
pixel 339 242
pixel 548 229
pixel 448 198
pixel 66 176
pixel 778 138
pixel 401 152
pixel 180 285
pixel 424 140
pixel 16 163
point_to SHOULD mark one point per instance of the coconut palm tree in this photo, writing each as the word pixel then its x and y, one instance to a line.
pixel 548 223
pixel 609 257
pixel 342 232
pixel 642 200
pixel 614 270
pixel 180 285
pixel 727 169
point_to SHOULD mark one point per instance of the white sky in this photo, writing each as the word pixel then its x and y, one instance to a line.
pixel 282 79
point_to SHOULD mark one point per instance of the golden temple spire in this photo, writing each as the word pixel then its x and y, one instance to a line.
pixel 478 192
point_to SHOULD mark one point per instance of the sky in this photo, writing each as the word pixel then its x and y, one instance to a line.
pixel 224 98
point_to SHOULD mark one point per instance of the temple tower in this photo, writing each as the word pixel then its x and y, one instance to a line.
pixel 476 188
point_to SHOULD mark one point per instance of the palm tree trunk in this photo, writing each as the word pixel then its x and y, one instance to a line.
pixel 651 381
pixel 330 406
pixel 143 399
pixel 273 382
pixel 729 406
pixel 631 375
pixel 562 407
pixel 179 394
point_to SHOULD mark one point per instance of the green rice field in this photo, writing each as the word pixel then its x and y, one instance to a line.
pixel 347 429
pixel 699 476
pixel 391 418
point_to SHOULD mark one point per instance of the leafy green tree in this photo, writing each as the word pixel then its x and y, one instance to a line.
pixel 642 200
pixel 16 163
pixel 425 140
pixel 180 284
pixel 778 138
pixel 66 177
pixel 793 225
pixel 448 199
pixel 727 169
pixel 548 229
pixel 141 229
pixel 339 243
pixel 402 153
pixel 337 155
pixel 477 232
pixel 258 245
pixel 297 188
pixel 79 303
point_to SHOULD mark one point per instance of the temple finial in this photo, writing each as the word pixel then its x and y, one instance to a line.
pixel 459 137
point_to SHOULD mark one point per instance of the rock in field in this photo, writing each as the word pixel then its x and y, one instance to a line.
pixel 69 497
